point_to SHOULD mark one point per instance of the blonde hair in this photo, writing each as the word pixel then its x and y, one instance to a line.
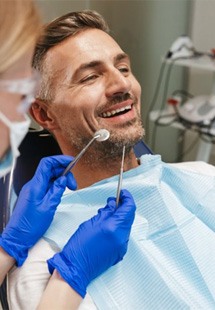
pixel 20 26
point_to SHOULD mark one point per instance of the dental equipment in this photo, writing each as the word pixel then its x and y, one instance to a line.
pixel 100 135
pixel 120 177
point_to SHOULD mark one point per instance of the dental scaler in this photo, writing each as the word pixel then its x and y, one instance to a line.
pixel 100 135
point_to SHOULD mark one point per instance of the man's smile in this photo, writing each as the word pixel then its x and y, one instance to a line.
pixel 117 111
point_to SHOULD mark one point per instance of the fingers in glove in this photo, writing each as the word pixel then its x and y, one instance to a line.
pixel 127 205
pixel 107 211
pixel 49 169
pixel 123 216
pixel 53 166
pixel 53 196
pixel 71 181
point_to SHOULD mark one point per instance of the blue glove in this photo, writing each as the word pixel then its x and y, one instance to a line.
pixel 36 206
pixel 98 244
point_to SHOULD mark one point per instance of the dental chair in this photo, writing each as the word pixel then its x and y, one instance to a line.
pixel 141 148
pixel 36 145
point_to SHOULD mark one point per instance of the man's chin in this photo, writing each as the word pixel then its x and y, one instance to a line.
pixel 113 146
pixel 127 136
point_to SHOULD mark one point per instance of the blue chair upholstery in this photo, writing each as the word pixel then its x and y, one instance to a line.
pixel 141 148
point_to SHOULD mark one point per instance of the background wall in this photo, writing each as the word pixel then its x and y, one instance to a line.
pixel 201 82
pixel 146 29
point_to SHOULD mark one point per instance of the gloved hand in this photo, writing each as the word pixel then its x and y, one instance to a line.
pixel 36 206
pixel 97 244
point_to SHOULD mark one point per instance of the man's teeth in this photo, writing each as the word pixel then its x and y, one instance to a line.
pixel 113 112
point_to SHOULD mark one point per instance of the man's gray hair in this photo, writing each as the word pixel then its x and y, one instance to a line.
pixel 57 31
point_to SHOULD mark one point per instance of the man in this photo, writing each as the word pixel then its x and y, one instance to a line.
pixel 88 85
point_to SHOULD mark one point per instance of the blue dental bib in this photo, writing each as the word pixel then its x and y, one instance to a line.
pixel 171 253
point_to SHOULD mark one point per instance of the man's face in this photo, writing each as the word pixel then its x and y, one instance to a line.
pixel 94 89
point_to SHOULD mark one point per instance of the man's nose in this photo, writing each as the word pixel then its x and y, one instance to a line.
pixel 117 83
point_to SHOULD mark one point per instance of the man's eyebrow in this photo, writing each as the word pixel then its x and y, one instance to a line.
pixel 88 65
pixel 121 57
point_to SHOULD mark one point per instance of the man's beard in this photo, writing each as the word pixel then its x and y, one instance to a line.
pixel 102 152
pixel 127 135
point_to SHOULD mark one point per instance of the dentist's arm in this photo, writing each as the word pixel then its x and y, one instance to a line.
pixel 98 244
pixel 6 263
pixel 59 295
pixel 34 211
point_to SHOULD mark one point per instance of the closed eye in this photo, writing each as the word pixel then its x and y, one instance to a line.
pixel 124 69
pixel 89 78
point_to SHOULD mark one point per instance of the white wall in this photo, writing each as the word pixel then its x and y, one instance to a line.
pixel 51 9
pixel 203 37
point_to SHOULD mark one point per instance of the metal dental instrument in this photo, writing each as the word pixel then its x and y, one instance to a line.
pixel 120 177
pixel 99 135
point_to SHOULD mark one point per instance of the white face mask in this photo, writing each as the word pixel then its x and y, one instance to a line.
pixel 18 130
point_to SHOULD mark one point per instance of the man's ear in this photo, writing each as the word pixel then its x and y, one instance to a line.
pixel 40 113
